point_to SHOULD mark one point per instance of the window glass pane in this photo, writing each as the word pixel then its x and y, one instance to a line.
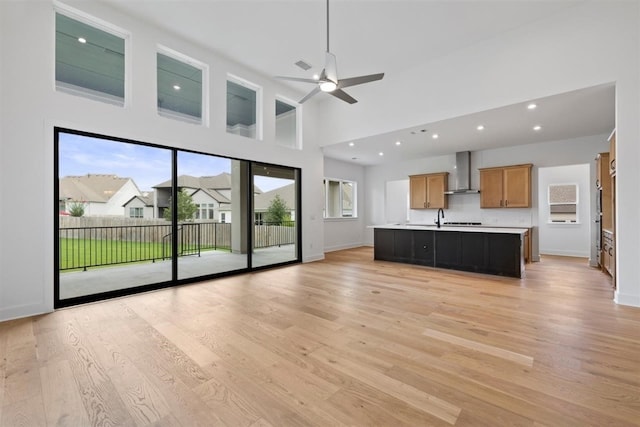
pixel 347 199
pixel 241 110
pixel 112 235
pixel 333 199
pixel 179 89
pixel 275 238
pixel 286 124
pixel 340 199
pixel 563 201
pixel 212 187
pixel 89 61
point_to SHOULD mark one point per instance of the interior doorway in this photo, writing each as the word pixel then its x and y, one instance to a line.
pixel 566 211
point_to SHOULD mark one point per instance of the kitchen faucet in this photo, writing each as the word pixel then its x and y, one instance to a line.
pixel 438 220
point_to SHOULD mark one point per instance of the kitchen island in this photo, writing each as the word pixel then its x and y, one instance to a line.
pixel 490 250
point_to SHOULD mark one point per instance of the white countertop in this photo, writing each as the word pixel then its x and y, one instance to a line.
pixel 463 228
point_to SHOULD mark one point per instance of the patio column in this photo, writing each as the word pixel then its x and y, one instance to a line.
pixel 239 206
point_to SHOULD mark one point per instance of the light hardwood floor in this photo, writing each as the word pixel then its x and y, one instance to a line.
pixel 345 341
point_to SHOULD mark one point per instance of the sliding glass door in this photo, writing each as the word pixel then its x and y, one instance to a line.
pixel 275 213
pixel 132 216
pixel 112 231
pixel 211 223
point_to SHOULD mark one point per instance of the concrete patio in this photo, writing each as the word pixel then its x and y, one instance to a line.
pixel 97 280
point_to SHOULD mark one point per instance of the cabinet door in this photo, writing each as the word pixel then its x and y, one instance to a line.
pixel 423 248
pixel 517 187
pixel 447 245
pixel 436 186
pixel 403 245
pixel 472 251
pixel 418 192
pixel 383 242
pixel 503 254
pixel 491 188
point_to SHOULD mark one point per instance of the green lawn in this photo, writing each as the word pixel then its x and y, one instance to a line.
pixel 78 253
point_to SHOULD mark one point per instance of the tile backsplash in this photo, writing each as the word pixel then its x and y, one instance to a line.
pixel 466 208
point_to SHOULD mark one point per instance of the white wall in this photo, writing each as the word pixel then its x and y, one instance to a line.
pixel 565 239
pixel 343 233
pixel 592 43
pixel 30 108
pixel 466 207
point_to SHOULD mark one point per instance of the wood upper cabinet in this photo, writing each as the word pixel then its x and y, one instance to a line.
pixel 427 191
pixel 491 183
pixel 506 187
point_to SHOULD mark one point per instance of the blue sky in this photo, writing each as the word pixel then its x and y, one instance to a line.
pixel 147 166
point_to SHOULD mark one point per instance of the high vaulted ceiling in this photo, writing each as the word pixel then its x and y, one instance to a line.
pixel 370 36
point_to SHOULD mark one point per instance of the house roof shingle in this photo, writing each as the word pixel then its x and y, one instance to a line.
pixel 221 181
pixel 91 187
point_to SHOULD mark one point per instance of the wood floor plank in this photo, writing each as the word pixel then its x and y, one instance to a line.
pixel 432 405
pixel 196 351
pixel 25 413
pixel 62 401
pixel 343 341
pixel 481 347
pixel 103 404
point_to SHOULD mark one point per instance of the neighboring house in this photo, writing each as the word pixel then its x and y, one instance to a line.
pixel 140 206
pixel 101 194
pixel 261 202
pixel 211 194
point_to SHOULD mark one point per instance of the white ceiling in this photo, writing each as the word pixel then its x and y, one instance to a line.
pixel 370 36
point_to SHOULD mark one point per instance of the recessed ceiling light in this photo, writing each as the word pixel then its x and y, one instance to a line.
pixel 82 40
pixel 398 143
pixel 537 127
pixel 532 106
pixel 176 87
pixel 480 127
pixel 351 144
pixel 435 136
pixel 381 154
pixel 316 77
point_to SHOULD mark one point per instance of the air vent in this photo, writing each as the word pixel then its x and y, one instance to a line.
pixel 304 65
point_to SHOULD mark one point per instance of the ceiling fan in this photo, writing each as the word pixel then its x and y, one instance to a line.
pixel 328 81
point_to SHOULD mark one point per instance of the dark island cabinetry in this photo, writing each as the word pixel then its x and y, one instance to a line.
pixel 481 252
pixel 409 246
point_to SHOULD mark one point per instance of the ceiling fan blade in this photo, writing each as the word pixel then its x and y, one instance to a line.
pixel 339 93
pixel 331 67
pixel 352 81
pixel 310 94
pixel 296 79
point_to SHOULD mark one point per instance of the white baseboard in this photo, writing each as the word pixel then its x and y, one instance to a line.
pixel 342 247
pixel 560 252
pixel 21 311
pixel 313 258
pixel 632 300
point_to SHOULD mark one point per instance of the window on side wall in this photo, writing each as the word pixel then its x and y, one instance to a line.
pixel 340 198
pixel 563 203
pixel 136 213
pixel 180 84
pixel 243 115
pixel 90 61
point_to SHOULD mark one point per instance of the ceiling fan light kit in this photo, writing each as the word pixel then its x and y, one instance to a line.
pixel 328 80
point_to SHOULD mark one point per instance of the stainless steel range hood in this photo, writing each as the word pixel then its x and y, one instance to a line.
pixel 463 174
